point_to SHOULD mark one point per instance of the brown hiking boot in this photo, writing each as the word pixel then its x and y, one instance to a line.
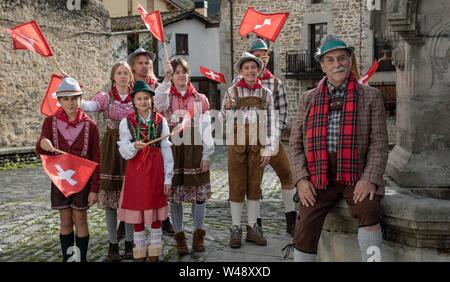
pixel 291 217
pixel 198 244
pixel 235 236
pixel 128 254
pixel 255 235
pixel 167 227
pixel 181 243
pixel 113 253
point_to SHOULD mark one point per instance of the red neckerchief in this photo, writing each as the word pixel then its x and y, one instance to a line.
pixel 151 82
pixel 189 91
pixel 115 94
pixel 316 132
pixel 244 84
pixel 61 115
pixel 266 75
pixel 132 117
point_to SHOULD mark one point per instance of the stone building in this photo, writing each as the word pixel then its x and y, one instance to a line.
pixel 308 22
pixel 80 40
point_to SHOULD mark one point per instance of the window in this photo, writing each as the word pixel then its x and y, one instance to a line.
pixel 181 41
pixel 132 42
pixel 380 48
pixel 316 1
pixel 317 32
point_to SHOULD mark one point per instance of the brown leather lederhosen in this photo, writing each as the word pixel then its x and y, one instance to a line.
pixel 244 171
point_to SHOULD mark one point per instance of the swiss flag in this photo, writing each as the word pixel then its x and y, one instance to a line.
pixel 264 25
pixel 28 36
pixel 68 172
pixel 216 76
pixel 153 22
pixel 373 68
pixel 50 104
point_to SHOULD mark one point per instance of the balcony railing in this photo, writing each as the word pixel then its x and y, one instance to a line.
pixel 302 63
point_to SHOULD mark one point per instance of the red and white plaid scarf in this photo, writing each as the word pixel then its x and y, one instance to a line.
pixel 347 152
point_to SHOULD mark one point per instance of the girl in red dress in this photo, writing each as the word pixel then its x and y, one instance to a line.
pixel 149 172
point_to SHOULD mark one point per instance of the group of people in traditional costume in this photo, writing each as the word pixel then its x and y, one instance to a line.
pixel 338 148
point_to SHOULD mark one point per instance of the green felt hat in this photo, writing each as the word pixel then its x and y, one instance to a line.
pixel 142 86
pixel 258 44
pixel 330 43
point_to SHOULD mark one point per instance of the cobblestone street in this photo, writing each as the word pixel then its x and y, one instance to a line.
pixel 29 228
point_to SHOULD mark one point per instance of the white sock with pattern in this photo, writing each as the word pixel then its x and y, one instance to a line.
pixel 139 239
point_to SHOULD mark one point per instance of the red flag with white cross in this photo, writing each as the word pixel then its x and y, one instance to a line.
pixel 68 172
pixel 28 36
pixel 153 22
pixel 264 25
pixel 50 104
pixel 213 75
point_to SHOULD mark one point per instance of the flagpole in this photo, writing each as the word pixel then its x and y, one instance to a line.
pixel 59 151
pixel 165 136
pixel 270 48
pixel 165 50
pixel 59 66
pixel 267 54
pixel 65 74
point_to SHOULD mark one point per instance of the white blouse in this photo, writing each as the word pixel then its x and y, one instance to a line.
pixel 128 151
pixel 161 99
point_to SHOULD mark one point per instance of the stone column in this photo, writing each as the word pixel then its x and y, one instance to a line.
pixel 421 157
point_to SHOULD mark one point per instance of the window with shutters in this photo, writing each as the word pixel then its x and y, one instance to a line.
pixel 181 41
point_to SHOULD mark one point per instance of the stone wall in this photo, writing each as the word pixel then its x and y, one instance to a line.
pixel 348 19
pixel 80 42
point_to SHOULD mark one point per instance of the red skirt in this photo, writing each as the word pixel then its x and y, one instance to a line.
pixel 143 187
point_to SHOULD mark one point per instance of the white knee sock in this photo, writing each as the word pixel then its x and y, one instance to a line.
pixel 156 235
pixel 370 245
pixel 236 212
pixel 177 216
pixel 198 214
pixel 258 210
pixel 139 239
pixel 288 195
pixel 300 256
pixel 252 210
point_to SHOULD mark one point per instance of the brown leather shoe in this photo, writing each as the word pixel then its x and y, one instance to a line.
pixel 167 227
pixel 181 243
pixel 198 244
pixel 255 235
pixel 291 217
pixel 235 236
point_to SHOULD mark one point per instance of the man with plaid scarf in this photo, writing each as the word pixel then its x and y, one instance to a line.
pixel 280 161
pixel 339 149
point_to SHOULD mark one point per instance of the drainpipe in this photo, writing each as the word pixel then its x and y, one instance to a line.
pixel 231 37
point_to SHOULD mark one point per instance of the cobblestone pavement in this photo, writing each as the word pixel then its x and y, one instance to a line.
pixel 29 228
